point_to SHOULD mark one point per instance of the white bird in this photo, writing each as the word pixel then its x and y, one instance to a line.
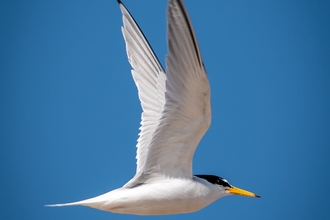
pixel 176 114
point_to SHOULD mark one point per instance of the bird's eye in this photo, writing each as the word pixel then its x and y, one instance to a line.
pixel 224 183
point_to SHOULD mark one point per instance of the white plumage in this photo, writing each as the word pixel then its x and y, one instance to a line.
pixel 176 114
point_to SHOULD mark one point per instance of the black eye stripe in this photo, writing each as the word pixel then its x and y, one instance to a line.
pixel 224 183
pixel 215 180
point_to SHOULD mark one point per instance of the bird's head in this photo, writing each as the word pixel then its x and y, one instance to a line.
pixel 226 186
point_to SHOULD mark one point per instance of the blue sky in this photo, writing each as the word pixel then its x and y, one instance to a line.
pixel 70 113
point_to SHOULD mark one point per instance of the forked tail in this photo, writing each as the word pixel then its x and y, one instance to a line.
pixel 92 202
pixel 66 204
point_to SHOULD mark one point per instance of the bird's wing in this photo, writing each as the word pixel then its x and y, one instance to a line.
pixel 187 111
pixel 149 78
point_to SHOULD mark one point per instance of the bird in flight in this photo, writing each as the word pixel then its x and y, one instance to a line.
pixel 176 114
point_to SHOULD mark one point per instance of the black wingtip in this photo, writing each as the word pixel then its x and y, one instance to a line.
pixel 119 2
pixel 257 196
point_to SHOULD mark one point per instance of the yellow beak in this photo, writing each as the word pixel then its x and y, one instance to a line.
pixel 241 192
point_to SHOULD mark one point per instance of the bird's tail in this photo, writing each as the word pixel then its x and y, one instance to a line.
pixel 92 202
pixel 65 204
pixel 95 202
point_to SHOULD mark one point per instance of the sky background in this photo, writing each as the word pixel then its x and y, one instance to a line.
pixel 70 113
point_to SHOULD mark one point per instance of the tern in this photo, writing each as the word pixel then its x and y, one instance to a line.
pixel 176 114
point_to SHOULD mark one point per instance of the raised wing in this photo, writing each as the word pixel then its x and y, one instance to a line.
pixel 187 112
pixel 149 78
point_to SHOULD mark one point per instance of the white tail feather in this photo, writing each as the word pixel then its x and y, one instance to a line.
pixel 65 204
pixel 87 202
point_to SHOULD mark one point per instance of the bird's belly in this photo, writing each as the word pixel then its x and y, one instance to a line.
pixel 159 199
pixel 160 207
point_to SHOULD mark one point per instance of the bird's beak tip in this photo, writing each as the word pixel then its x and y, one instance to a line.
pixel 257 196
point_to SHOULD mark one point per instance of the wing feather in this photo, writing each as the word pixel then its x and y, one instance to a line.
pixel 187 112
pixel 176 106
pixel 149 78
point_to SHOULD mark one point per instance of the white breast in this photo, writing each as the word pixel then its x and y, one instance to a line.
pixel 170 196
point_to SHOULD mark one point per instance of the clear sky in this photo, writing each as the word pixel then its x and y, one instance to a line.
pixel 70 113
